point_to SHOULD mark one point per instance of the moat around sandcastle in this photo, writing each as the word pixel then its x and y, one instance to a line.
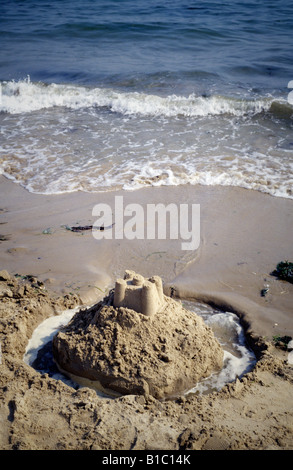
pixel 138 341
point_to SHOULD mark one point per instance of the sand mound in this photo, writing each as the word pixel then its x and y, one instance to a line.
pixel 161 352
pixel 24 303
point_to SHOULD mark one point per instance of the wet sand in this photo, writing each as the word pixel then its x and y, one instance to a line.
pixel 244 234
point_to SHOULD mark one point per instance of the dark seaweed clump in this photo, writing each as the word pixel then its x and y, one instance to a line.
pixel 282 341
pixel 284 271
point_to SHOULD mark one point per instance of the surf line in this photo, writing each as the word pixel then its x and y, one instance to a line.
pixel 158 221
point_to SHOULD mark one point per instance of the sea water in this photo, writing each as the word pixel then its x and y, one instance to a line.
pixel 238 357
pixel 103 95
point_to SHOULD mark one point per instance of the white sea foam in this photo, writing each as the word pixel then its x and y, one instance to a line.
pixel 238 359
pixel 65 138
pixel 45 332
pixel 45 176
pixel 221 176
pixel 25 96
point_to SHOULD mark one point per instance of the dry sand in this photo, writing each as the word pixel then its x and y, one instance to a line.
pixel 244 234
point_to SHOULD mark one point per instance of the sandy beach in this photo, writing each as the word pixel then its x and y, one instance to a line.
pixel 244 234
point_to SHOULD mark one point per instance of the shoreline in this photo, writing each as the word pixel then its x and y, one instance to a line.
pixel 244 235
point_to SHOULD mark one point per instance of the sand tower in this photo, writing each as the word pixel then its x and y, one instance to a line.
pixel 137 293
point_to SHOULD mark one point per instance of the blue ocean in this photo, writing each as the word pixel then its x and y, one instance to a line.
pixel 100 95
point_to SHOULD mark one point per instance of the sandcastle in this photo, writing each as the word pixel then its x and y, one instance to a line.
pixel 137 293
pixel 137 341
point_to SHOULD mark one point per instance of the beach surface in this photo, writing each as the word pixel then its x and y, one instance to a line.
pixel 244 234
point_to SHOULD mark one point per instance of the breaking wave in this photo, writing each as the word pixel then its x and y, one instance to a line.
pixel 60 138
pixel 25 96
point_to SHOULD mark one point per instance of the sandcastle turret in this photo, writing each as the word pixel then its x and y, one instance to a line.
pixel 137 293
